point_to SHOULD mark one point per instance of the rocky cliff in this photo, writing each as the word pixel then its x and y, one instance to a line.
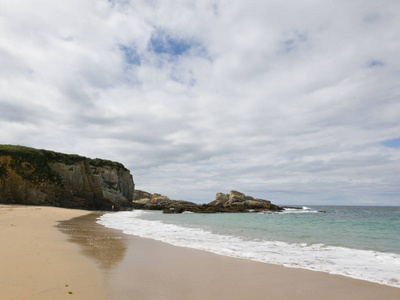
pixel 42 177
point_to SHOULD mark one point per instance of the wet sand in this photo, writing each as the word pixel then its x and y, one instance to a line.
pixel 139 268
pixel 101 263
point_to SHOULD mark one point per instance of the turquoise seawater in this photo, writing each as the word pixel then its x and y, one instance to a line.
pixel 359 242
pixel 367 228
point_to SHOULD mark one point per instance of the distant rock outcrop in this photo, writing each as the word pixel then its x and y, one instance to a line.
pixel 237 199
pixel 232 202
pixel 145 200
pixel 42 177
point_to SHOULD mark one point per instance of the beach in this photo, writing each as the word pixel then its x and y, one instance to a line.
pixel 48 259
pixel 38 262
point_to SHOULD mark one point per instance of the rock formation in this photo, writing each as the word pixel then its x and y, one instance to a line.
pixel 237 199
pixel 232 202
pixel 145 200
pixel 42 177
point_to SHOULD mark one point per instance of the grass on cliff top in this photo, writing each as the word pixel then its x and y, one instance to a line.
pixel 37 170
pixel 39 155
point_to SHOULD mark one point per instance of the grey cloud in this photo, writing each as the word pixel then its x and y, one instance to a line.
pixel 286 101
pixel 296 41
pixel 13 113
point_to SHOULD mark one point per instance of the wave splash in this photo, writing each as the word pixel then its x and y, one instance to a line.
pixel 303 210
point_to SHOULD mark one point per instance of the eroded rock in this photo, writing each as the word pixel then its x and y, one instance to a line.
pixel 234 202
pixel 41 177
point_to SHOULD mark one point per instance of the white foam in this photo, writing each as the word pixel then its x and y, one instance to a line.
pixel 383 268
pixel 302 210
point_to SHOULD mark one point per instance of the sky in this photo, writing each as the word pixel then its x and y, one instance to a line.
pixel 297 102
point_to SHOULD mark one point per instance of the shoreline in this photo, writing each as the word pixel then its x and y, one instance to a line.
pixel 185 273
pixel 289 240
pixel 148 269
pixel 103 263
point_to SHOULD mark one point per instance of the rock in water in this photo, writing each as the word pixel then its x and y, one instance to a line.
pixel 145 200
pixel 237 199
pixel 42 177
pixel 233 202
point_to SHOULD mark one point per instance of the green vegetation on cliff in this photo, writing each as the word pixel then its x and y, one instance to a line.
pixel 32 164
pixel 97 162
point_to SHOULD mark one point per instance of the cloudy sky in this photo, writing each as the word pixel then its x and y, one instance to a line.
pixel 293 101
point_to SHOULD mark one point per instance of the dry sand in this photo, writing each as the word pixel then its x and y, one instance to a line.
pixel 38 262
pixel 41 262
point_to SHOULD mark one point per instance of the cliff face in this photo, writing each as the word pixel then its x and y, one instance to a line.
pixel 41 177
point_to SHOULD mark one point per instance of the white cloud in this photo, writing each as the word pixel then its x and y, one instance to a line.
pixel 283 100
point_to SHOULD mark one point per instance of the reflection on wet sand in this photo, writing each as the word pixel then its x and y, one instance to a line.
pixel 106 246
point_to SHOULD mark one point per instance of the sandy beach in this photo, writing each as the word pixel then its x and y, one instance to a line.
pixel 38 262
pixel 42 256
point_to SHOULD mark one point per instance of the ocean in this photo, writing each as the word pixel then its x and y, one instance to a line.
pixel 358 242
